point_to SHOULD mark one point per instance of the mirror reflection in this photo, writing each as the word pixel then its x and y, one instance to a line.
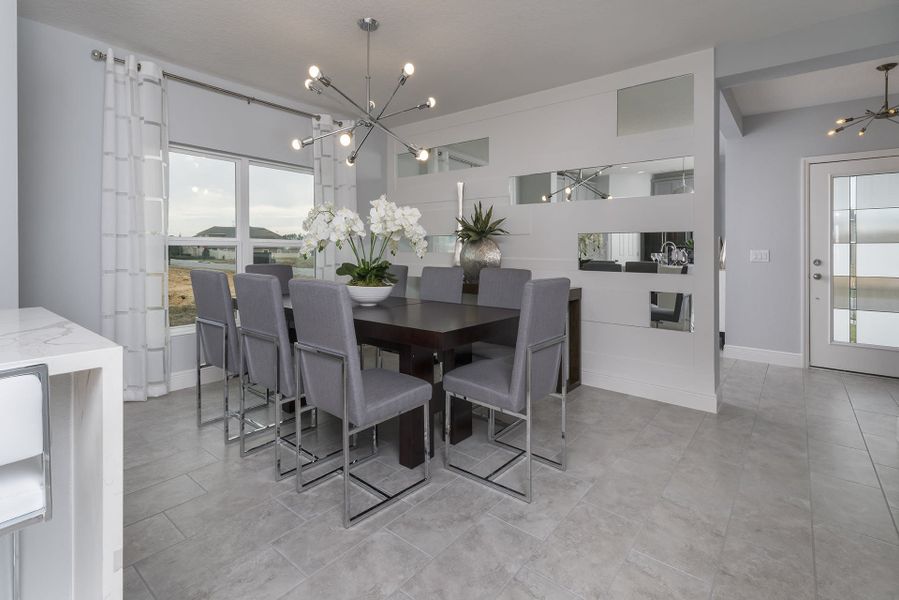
pixel 452 157
pixel 638 106
pixel 627 180
pixel 671 310
pixel 641 252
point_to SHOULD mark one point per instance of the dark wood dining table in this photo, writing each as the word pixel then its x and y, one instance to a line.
pixel 418 330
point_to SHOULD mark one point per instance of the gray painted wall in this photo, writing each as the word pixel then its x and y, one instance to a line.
pixel 60 123
pixel 9 246
pixel 764 210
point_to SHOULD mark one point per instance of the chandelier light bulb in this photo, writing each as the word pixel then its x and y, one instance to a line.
pixel 408 69
pixel 314 72
pixel 423 155
pixel 346 139
pixel 544 198
pixel 432 102
pixel 371 105
pixel 861 132
pixel 350 161
pixel 892 111
pixel 295 144
pixel 840 121
pixel 568 191
pixel 832 132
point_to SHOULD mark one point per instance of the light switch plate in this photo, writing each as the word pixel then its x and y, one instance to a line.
pixel 759 256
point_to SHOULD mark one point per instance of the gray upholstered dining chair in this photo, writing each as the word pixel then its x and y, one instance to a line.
pixel 401 272
pixel 265 353
pixel 335 383
pixel 284 273
pixel 25 490
pixel 502 288
pixel 216 338
pixel 441 284
pixel 511 387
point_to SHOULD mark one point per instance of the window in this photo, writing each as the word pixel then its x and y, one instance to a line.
pixel 254 210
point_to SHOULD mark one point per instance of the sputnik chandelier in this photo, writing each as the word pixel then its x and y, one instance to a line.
pixel 367 118
pixel 885 112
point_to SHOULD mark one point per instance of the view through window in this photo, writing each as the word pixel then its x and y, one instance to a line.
pixel 228 211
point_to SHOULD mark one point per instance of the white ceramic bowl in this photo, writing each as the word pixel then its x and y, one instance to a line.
pixel 369 296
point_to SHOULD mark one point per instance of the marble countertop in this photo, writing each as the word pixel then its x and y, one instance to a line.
pixel 36 335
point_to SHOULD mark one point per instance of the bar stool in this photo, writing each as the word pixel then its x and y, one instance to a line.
pixel 25 494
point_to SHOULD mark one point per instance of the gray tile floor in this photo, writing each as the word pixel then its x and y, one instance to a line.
pixel 791 491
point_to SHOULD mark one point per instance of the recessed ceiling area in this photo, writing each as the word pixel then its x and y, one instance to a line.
pixel 827 86
pixel 466 52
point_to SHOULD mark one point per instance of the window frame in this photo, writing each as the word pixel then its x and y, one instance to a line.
pixel 242 243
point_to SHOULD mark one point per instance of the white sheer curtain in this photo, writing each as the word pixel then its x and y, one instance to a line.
pixel 133 214
pixel 335 182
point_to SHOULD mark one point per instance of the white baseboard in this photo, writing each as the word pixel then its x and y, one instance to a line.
pixel 652 391
pixel 187 379
pixel 772 357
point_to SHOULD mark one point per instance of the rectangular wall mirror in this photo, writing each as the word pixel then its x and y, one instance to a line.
pixel 452 157
pixel 627 180
pixel 640 252
pixel 671 310
pixel 662 104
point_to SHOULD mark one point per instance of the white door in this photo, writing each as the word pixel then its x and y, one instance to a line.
pixel 853 286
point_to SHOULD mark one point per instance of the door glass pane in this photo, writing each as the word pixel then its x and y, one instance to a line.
pixel 865 267
pixel 877 260
pixel 279 201
pixel 841 193
pixel 840 227
pixel 878 328
pixel 201 196
pixel 877 191
pixel 876 225
pixel 182 260
pixel 302 267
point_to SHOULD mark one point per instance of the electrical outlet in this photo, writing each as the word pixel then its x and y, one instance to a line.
pixel 760 256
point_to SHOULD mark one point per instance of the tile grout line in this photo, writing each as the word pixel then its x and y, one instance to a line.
pixel 733 503
pixel 871 458
pixel 146 586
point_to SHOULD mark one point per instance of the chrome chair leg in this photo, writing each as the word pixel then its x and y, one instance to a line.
pixel 491 424
pixel 16 567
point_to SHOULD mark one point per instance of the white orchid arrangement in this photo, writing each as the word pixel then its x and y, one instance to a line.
pixel 388 224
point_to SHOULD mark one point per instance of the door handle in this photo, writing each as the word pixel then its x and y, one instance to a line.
pixel 816 276
pixel 817 262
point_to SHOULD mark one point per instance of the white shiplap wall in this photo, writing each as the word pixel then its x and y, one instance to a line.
pixel 575 126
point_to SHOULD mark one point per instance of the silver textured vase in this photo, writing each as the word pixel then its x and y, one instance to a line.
pixel 477 255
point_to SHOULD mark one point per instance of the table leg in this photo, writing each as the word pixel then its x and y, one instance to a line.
pixel 418 362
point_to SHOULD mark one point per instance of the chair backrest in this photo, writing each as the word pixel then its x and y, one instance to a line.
pixel 641 266
pixel 261 307
pixel 502 288
pixel 401 272
pixel 284 273
pixel 212 296
pixel 326 323
pixel 544 308
pixel 24 404
pixel 24 447
pixel 442 284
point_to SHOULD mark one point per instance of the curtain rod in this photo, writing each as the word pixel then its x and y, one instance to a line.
pixel 99 55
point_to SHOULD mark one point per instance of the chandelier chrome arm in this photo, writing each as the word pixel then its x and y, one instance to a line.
pixel 884 112
pixel 311 140
pixel 427 104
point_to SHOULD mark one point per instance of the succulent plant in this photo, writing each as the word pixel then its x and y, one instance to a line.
pixel 480 226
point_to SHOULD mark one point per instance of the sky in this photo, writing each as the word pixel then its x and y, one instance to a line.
pixel 202 195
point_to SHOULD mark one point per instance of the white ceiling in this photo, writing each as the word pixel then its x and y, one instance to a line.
pixel 466 52
pixel 827 86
